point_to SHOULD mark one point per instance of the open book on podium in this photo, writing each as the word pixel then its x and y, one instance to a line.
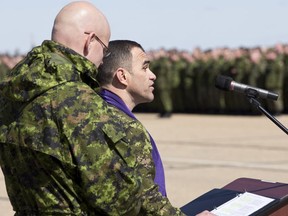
pixel 244 196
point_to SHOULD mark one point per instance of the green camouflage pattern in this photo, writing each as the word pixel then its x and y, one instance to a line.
pixel 65 151
pixel 274 76
pixel 3 70
pixel 162 70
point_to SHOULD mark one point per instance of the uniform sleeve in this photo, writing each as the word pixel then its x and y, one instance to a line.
pixel 152 201
pixel 135 150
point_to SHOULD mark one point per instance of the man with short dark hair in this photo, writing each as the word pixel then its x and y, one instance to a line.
pixel 126 81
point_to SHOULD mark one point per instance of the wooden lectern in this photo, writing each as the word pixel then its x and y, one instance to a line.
pixel 268 189
pixel 216 197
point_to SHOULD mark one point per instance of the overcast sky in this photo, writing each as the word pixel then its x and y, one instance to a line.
pixel 182 24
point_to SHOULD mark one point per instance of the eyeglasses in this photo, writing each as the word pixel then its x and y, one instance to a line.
pixel 106 51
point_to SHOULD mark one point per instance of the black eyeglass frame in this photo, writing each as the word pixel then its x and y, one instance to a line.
pixel 106 51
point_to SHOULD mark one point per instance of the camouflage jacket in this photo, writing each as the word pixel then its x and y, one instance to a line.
pixel 63 150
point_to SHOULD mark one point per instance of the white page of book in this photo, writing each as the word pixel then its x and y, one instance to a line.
pixel 242 205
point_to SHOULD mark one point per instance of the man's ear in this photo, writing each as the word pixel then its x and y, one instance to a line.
pixel 87 46
pixel 121 75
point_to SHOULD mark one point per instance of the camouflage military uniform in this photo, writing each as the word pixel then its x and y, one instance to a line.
pixel 62 153
pixel 163 85
pixel 274 75
pixel 3 70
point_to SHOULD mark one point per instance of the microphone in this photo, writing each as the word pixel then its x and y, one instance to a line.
pixel 227 84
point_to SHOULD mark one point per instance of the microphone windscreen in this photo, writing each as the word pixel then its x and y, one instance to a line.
pixel 223 82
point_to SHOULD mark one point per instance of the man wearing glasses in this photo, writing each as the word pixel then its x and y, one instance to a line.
pixel 106 51
pixel 57 136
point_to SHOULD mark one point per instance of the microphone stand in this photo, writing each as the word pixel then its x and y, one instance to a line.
pixel 257 104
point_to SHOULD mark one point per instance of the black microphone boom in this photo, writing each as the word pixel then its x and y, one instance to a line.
pixel 226 83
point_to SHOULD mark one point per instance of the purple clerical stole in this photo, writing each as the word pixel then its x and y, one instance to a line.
pixel 116 101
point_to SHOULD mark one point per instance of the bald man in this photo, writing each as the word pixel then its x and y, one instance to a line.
pixel 62 150
pixel 84 29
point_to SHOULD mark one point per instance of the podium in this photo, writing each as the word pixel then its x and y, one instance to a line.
pixel 216 197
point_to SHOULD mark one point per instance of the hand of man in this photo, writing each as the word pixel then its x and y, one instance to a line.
pixel 206 213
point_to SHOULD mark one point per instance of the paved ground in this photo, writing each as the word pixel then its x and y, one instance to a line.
pixel 202 152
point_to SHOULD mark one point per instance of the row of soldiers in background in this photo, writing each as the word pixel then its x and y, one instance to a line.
pixel 7 62
pixel 186 80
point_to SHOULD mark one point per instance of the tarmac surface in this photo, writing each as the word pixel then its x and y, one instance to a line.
pixel 202 152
